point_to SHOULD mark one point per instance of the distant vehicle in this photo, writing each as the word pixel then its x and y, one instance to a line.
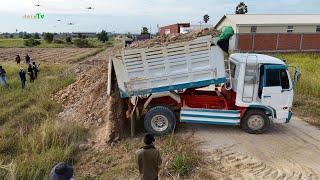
pixel 70 23
pixel 192 82
pixel 90 8
pixel 38 5
pixel 58 20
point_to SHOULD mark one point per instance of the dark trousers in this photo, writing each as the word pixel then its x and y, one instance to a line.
pixel 23 84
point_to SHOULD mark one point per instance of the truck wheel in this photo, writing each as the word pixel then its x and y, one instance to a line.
pixel 159 120
pixel 255 122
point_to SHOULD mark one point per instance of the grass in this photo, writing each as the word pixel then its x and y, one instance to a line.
pixel 32 140
pixel 180 158
pixel 307 90
pixel 18 43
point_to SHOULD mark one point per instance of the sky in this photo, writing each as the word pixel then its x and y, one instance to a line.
pixel 131 15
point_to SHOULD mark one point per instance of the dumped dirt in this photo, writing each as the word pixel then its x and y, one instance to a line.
pixel 86 101
pixel 168 39
pixel 287 151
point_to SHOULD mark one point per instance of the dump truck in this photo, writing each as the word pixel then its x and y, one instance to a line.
pixel 193 82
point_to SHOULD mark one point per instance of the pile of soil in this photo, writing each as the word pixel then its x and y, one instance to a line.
pixel 174 38
pixel 86 101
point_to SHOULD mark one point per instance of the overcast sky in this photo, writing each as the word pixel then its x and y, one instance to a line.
pixel 130 15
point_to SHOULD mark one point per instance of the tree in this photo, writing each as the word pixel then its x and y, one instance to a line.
pixel 242 8
pixel 206 18
pixel 48 37
pixel 26 35
pixel 103 36
pixel 144 30
pixel 80 36
pixel 68 39
pixel 36 36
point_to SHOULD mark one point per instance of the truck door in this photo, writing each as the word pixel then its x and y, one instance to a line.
pixel 277 90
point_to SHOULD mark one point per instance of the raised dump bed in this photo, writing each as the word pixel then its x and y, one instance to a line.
pixel 182 65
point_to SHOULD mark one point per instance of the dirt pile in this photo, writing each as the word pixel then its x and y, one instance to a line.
pixel 168 39
pixel 86 101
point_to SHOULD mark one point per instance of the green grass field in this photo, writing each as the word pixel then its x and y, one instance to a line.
pixel 307 91
pixel 18 43
pixel 32 140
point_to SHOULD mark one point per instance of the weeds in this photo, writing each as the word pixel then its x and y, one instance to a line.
pixel 31 139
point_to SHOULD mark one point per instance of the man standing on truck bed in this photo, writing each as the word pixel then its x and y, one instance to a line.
pixel 149 159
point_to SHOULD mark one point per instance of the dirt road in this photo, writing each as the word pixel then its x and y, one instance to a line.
pixel 287 151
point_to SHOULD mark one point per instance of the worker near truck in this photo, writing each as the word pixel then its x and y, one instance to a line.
pixel 18 59
pixel 35 68
pixel 28 59
pixel 23 79
pixel 3 77
pixel 148 159
pixel 31 73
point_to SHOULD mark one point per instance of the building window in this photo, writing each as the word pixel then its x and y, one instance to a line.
pixel 253 29
pixel 318 28
pixel 290 29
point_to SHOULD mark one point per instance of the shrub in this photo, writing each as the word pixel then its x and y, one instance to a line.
pixel 68 39
pixel 103 36
pixel 48 37
pixel 58 41
pixel 36 36
pixel 31 42
pixel 81 43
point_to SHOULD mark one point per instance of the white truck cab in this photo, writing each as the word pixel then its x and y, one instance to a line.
pixel 262 81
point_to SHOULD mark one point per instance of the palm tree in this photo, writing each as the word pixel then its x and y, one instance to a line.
pixel 206 18
pixel 242 8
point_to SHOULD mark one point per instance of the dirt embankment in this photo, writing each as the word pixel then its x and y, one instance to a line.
pixel 86 101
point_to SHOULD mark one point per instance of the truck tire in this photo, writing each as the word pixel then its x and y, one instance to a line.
pixel 255 121
pixel 159 120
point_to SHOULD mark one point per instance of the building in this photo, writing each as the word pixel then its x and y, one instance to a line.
pixel 197 27
pixel 175 29
pixel 273 32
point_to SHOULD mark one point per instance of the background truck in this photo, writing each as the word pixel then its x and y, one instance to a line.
pixel 192 82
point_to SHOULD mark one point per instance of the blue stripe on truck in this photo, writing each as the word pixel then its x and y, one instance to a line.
pixel 175 87
pixel 208 116
pixel 209 122
pixel 212 110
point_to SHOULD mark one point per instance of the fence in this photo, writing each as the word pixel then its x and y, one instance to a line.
pixel 277 42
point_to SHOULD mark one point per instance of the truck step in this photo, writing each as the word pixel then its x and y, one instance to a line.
pixel 210 116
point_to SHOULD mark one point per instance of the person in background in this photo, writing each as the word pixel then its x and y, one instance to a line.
pixel 23 79
pixel 31 73
pixel 18 59
pixel 27 59
pixel 61 171
pixel 35 69
pixel 148 159
pixel 3 77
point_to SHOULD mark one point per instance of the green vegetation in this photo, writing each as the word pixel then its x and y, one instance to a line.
pixel 32 139
pixel 57 43
pixel 307 91
pixel 180 158
pixel 31 42
pixel 103 36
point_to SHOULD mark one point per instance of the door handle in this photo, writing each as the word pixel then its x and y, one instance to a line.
pixel 267 96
